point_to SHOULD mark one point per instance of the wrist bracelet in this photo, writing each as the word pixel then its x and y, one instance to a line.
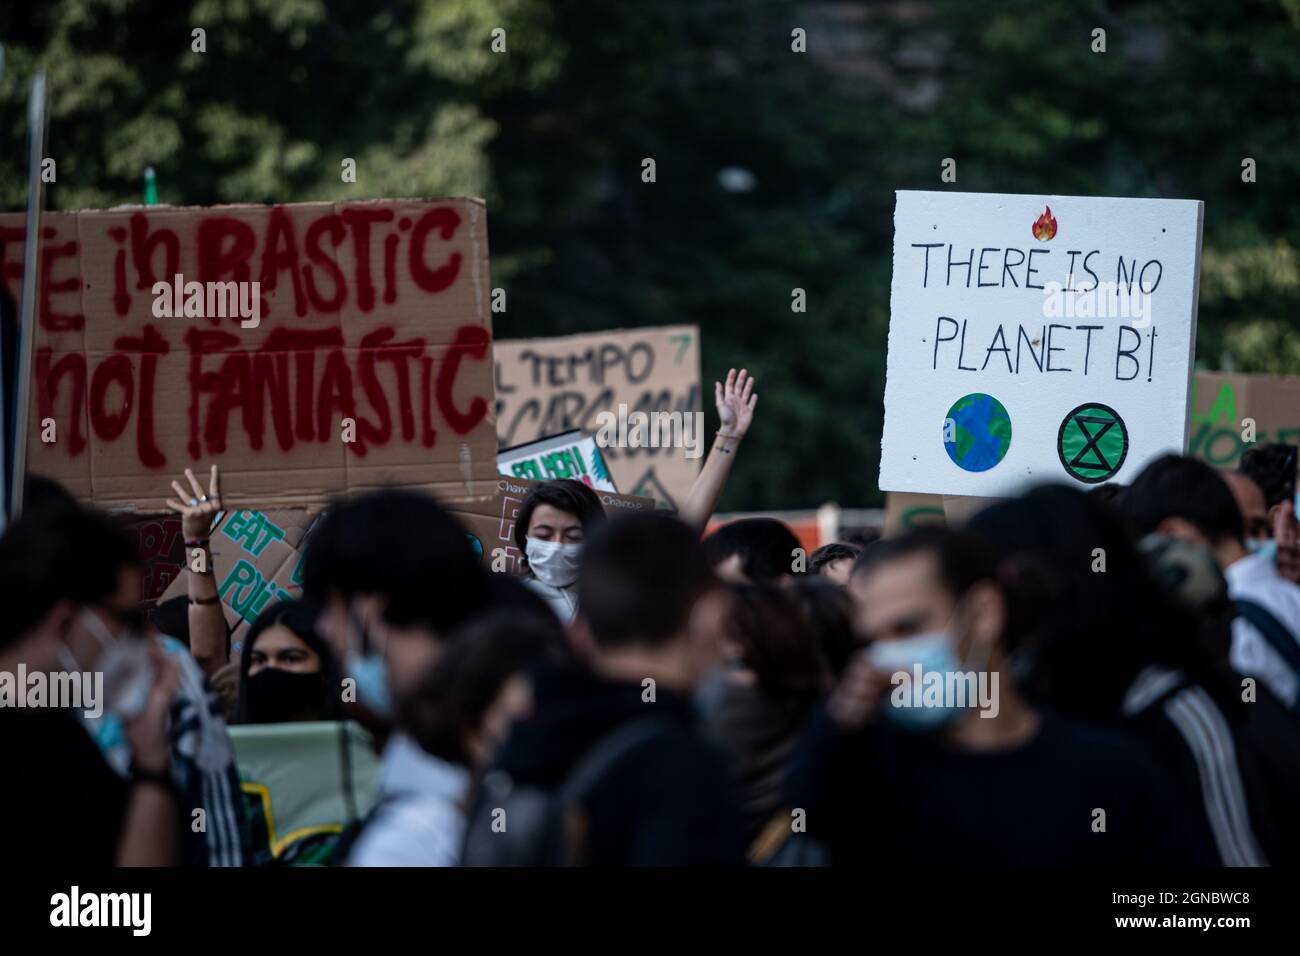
pixel 206 601
pixel 158 778
pixel 196 542
pixel 722 434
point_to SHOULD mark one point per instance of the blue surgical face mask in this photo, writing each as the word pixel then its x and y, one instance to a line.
pixel 934 653
pixel 370 671
pixel 1262 546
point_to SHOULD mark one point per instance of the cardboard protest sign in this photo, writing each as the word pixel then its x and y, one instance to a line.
pixel 1225 406
pixel 491 524
pixel 547 386
pixel 570 455
pixel 257 560
pixel 161 546
pixel 1036 339
pixel 904 511
pixel 309 350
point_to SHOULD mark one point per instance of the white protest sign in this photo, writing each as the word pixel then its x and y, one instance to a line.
pixel 1037 338
pixel 567 455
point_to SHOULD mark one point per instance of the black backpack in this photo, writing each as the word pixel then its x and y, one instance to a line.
pixel 514 825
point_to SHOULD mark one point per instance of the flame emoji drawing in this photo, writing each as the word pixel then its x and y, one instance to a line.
pixel 1045 225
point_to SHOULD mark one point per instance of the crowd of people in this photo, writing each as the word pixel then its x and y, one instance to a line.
pixel 1069 678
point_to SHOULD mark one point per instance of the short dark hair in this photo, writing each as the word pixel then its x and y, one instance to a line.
pixel 641 575
pixel 59 550
pixel 1273 468
pixel 834 551
pixel 961 559
pixel 829 610
pixel 454 696
pixel 401 545
pixel 571 497
pixel 776 641
pixel 1175 486
pixel 766 547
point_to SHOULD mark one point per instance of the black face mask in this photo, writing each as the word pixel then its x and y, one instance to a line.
pixel 276 696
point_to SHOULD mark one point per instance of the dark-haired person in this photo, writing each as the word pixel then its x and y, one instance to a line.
pixel 394 575
pixel 1272 467
pixel 450 726
pixel 100 576
pixel 651 616
pixel 1187 498
pixel 764 694
pixel 834 561
pixel 753 551
pixel 64 803
pixel 1115 649
pixel 287 670
pixel 557 516
pixel 960 766
pixel 828 609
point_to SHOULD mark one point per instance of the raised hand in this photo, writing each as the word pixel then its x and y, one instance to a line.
pixel 736 401
pixel 196 508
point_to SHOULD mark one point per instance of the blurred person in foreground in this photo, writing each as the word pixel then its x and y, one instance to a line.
pixel 457 716
pixel 91 583
pixel 1272 732
pixel 928 748
pixel 1186 498
pixel 611 768
pixel 1116 650
pixel 760 701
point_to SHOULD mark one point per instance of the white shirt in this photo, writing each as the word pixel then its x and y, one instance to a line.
pixel 563 601
pixel 1255 578
pixel 418 820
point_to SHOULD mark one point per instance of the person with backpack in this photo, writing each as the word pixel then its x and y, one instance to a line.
pixel 612 769
pixel 1187 498
pixel 450 726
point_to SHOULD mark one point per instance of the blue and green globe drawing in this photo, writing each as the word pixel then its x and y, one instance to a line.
pixel 977 432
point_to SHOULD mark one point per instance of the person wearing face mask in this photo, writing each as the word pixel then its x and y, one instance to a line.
pixel 286 669
pixel 100 575
pixel 928 749
pixel 552 524
pixel 557 516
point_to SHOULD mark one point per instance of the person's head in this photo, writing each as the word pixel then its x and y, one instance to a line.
pixel 1109 617
pixel 287 671
pixel 1185 498
pixel 834 561
pixel 98 569
pixel 647 590
pixel 829 612
pixel 752 551
pixel 768 633
pixel 462 708
pixel 394 575
pixel 1193 579
pixel 932 581
pixel 1272 466
pixel 553 522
